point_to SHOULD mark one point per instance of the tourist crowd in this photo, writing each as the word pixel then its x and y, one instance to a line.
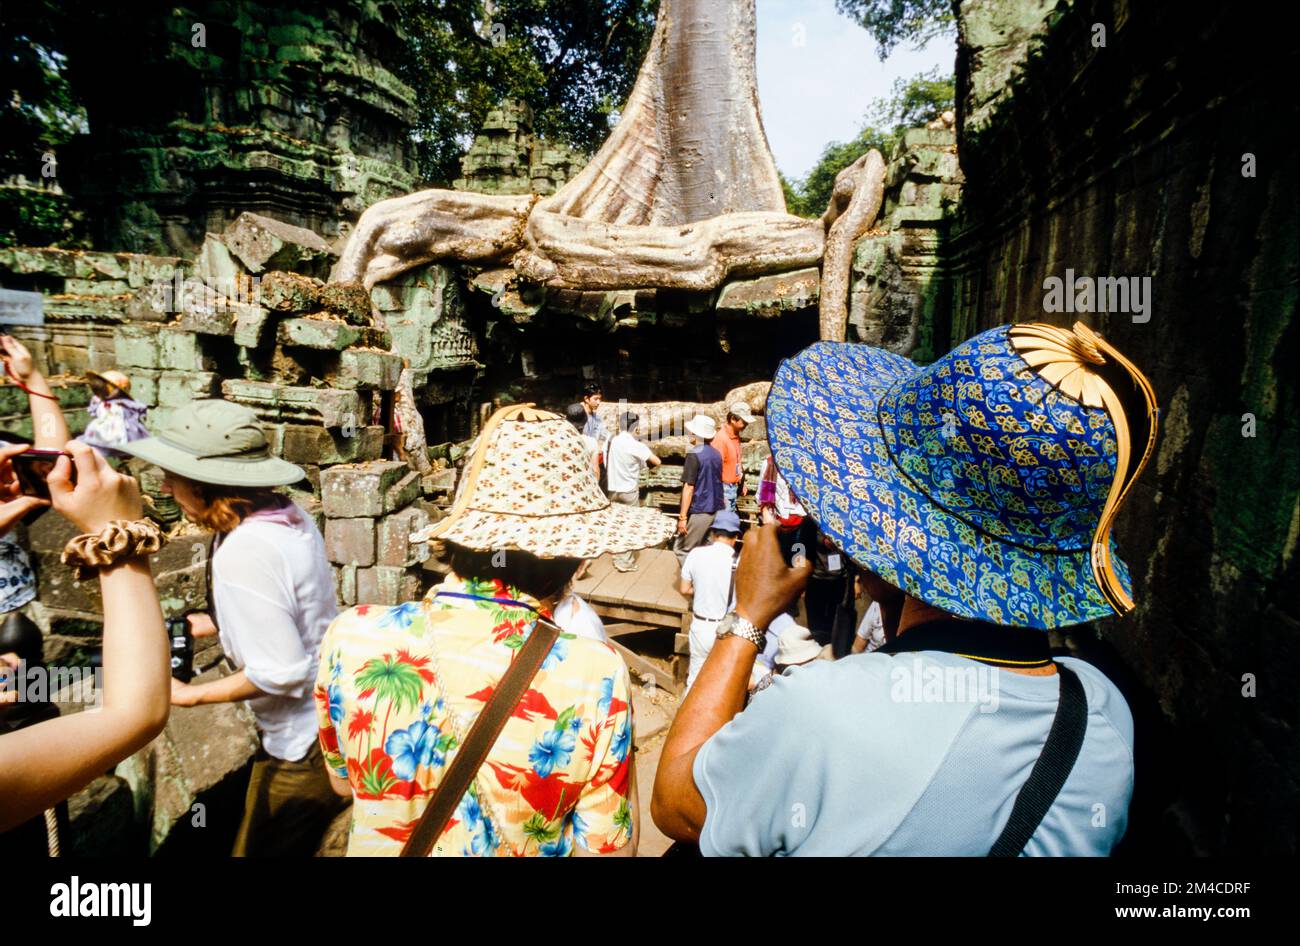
pixel 872 624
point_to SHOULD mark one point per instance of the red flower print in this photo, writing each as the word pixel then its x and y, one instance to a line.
pixel 400 832
pixel 532 705
pixel 329 740
pixel 360 723
pixel 593 736
pixel 617 774
pixel 508 629
pixel 419 663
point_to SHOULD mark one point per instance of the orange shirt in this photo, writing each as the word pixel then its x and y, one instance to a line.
pixel 727 443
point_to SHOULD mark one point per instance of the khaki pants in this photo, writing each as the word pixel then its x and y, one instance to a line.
pixel 697 532
pixel 288 807
pixel 626 561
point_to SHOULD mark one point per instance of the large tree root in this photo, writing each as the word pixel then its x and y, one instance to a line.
pixel 855 202
pixel 404 232
pixel 572 253
pixel 660 419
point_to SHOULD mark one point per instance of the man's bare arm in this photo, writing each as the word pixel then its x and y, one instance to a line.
pixel 765 586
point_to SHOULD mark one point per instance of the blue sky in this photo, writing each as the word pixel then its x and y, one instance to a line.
pixel 818 90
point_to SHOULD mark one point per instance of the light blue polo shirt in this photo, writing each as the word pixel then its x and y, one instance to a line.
pixel 910 754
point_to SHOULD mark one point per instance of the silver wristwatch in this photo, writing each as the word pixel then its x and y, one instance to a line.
pixel 733 625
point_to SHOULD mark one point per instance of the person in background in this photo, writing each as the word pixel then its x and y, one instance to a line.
pixel 595 427
pixel 765 664
pixel 626 457
pixel 777 505
pixel 272 597
pixel 42 764
pixel 399 688
pixel 578 417
pixel 727 443
pixel 701 486
pixel 707 580
pixel 880 624
pixel 22 651
pixel 575 616
pixel 826 586
pixel 115 418
pixel 50 430
pixel 797 648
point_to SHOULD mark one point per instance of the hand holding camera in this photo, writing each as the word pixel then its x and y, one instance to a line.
pixel 15 502
pixel 100 494
pixel 765 584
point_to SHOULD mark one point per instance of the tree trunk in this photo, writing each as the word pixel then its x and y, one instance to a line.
pixel 682 195
pixel 689 143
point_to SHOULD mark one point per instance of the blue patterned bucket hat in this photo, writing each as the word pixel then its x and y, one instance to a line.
pixel 985 484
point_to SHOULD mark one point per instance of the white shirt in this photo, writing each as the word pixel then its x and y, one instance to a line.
pixel 574 615
pixel 625 460
pixel 273 592
pixel 708 569
pixel 593 449
pixel 872 628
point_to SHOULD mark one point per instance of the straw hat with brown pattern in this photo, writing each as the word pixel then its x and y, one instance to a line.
pixel 528 486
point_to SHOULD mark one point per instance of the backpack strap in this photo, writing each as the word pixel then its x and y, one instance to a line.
pixel 482 736
pixel 1064 740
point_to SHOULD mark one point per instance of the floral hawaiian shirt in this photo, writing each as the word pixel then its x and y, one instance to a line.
pixel 17 580
pixel 398 689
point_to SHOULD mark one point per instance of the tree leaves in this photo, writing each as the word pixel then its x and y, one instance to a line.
pixel 572 61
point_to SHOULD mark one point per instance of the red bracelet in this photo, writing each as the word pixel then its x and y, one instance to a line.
pixel 9 369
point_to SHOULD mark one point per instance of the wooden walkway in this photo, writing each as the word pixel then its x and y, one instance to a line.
pixel 646 596
pixel 643 600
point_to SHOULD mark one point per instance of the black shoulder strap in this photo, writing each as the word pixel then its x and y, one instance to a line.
pixel 1050 771
pixel 481 737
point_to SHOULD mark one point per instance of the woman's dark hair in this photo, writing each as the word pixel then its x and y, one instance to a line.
pixel 577 415
pixel 539 577
pixel 590 388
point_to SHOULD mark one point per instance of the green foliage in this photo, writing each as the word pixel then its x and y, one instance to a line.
pixel 38 111
pixel 572 61
pixel 891 22
pixel 911 103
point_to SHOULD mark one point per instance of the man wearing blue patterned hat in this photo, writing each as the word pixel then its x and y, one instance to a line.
pixel 984 487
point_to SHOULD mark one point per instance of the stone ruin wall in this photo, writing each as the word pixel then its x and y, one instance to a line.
pixel 1127 160
pixel 285 110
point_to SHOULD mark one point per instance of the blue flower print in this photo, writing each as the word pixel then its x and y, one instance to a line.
pixel 477 824
pixel 403 615
pixel 559 650
pixel 606 695
pixel 560 847
pixel 621 740
pixel 337 712
pixel 551 750
pixel 411 748
pixel 579 825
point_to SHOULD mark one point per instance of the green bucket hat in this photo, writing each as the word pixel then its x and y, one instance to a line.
pixel 215 441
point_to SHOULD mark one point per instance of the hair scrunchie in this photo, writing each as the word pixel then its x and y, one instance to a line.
pixel 120 539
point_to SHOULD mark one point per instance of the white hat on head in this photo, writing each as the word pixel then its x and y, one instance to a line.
pixel 796 646
pixel 702 426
